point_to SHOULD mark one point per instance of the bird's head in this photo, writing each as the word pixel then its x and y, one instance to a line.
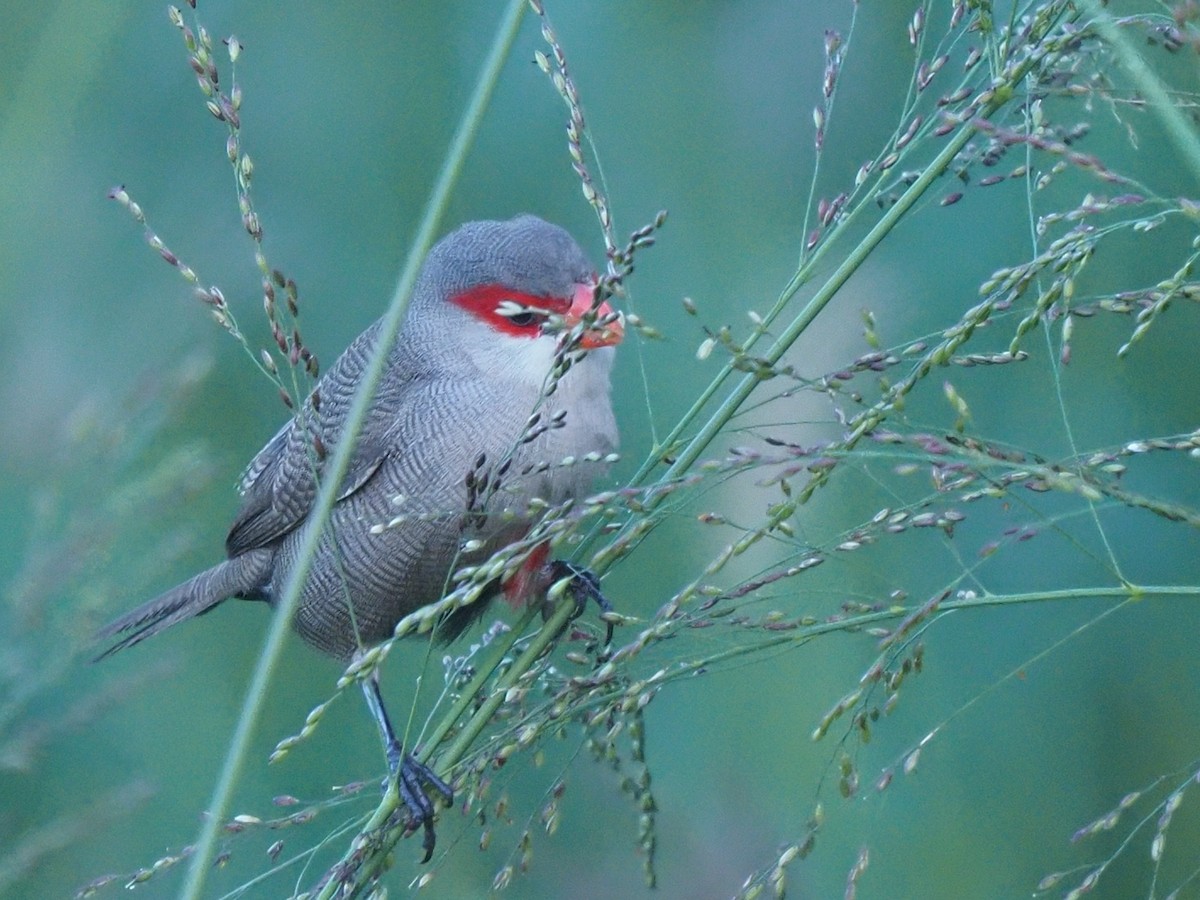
pixel 511 294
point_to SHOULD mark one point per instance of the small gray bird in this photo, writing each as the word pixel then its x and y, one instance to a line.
pixel 466 428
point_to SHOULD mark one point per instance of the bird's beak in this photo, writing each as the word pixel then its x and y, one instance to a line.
pixel 607 328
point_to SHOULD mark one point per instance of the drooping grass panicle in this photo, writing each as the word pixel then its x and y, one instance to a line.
pixel 894 437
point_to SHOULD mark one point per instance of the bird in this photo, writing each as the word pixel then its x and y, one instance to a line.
pixel 500 374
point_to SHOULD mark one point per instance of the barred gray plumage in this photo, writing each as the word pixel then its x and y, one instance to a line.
pixel 462 379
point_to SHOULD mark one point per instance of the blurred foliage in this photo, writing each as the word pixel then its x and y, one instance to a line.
pixel 939 513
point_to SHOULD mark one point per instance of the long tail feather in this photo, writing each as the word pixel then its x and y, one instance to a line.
pixel 241 576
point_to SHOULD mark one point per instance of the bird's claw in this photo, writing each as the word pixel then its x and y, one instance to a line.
pixel 582 587
pixel 412 777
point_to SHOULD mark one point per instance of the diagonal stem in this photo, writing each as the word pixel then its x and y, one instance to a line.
pixel 336 465
pixel 690 453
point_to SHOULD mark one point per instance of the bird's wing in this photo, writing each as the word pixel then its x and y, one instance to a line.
pixel 267 457
pixel 280 484
pixel 282 494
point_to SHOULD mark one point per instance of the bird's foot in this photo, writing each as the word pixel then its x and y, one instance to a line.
pixel 583 586
pixel 412 778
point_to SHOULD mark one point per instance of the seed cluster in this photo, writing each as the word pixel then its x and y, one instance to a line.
pixel 981 92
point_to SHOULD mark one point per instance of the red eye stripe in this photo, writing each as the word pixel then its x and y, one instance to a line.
pixel 485 300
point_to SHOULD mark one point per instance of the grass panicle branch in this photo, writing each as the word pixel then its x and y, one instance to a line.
pixel 336 464
pixel 901 432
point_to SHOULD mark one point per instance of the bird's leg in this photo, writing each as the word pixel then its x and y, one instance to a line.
pixel 411 775
pixel 583 586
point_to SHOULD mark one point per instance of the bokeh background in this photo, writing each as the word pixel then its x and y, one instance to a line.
pixel 128 417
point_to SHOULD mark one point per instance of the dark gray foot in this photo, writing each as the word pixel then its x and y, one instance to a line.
pixel 583 587
pixel 413 778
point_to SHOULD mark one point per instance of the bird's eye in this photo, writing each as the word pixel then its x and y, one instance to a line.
pixel 522 319
pixel 518 313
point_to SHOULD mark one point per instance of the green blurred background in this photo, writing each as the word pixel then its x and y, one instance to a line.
pixel 128 416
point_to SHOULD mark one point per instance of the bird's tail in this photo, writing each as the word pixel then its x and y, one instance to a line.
pixel 241 576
